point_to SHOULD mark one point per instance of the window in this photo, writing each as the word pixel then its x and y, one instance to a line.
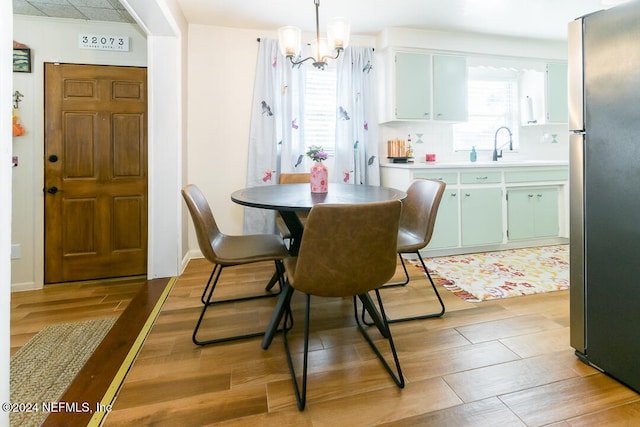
pixel 492 102
pixel 320 107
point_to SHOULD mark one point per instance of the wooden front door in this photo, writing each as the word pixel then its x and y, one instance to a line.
pixel 95 181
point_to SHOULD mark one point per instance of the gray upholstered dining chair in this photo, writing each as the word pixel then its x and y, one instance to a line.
pixel 224 251
pixel 291 178
pixel 417 222
pixel 346 250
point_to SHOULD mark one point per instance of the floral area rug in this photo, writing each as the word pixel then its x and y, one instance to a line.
pixel 502 274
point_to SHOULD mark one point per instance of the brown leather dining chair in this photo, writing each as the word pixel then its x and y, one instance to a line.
pixel 224 250
pixel 346 250
pixel 291 178
pixel 417 221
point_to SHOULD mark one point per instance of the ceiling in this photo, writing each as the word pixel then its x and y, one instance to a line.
pixel 544 19
pixel 90 10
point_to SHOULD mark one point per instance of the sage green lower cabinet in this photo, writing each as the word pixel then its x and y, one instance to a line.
pixel 493 206
pixel 532 213
pixel 481 216
pixel 445 232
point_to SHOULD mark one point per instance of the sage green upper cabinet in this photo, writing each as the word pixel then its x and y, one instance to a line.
pixel 413 86
pixel 557 93
pixel 450 88
pixel 544 95
pixel 422 86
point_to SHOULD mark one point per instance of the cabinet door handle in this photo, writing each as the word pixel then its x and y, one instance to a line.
pixel 530 195
pixel 467 195
pixel 539 195
pixel 454 194
pixel 482 177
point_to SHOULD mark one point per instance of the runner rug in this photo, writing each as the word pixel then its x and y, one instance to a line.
pixel 44 367
pixel 502 274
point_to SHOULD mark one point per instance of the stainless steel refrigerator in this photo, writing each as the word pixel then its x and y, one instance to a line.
pixel 604 124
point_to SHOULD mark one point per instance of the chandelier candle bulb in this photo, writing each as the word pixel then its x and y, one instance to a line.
pixel 290 39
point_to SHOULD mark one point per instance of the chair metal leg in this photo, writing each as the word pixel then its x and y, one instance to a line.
pixel 433 285
pixel 423 316
pixel 204 291
pixel 276 278
pixel 397 376
pixel 300 391
pixel 406 276
pixel 211 285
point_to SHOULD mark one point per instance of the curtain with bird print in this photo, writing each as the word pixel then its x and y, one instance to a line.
pixel 357 144
pixel 277 142
pixel 275 137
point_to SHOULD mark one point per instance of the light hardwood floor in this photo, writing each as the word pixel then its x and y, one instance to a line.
pixel 504 363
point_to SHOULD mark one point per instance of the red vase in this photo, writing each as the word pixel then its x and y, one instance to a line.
pixel 319 178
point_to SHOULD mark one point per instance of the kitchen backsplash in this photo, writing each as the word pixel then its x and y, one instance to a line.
pixel 535 142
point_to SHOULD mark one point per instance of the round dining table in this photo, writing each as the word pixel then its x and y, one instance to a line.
pixel 298 197
pixel 288 199
pixel 291 198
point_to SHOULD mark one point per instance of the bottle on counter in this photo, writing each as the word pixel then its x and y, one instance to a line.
pixel 473 156
pixel 409 147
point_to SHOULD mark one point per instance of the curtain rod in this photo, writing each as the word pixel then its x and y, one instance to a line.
pixel 258 40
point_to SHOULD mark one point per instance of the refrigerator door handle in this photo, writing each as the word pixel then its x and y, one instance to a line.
pixel 577 243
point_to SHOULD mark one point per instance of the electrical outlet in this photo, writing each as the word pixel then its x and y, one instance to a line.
pixel 15 252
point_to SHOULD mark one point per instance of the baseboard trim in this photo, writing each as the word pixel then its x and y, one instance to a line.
pixel 25 286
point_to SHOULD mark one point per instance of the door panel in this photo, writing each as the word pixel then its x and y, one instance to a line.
pixel 96 172
pixel 413 86
pixel 445 233
pixel 481 216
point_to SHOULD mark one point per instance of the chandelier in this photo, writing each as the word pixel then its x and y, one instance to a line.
pixel 337 40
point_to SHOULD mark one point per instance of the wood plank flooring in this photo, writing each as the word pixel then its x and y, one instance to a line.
pixel 505 363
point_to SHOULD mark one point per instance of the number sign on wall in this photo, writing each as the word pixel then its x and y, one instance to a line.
pixel 103 42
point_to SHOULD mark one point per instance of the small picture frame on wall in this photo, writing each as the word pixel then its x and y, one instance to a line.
pixel 22 60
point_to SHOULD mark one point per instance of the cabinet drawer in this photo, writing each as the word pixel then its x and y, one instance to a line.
pixel 536 176
pixel 481 177
pixel 449 178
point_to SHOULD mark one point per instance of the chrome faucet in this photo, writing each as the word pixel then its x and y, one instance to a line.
pixel 496 156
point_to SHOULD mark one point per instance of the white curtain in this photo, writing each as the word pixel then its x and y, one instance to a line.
pixel 276 141
pixel 277 129
pixel 356 147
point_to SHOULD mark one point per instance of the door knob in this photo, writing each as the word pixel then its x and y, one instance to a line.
pixel 53 158
pixel 52 190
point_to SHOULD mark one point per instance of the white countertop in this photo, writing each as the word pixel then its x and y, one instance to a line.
pixel 469 165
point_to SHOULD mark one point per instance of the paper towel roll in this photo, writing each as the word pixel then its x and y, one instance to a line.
pixel 527 109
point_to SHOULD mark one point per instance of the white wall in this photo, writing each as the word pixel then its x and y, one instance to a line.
pixel 219 85
pixel 222 63
pixel 221 77
pixel 50 40
pixel 221 73
pixel 167 33
pixel 166 26
pixel 6 76
pixel 166 36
